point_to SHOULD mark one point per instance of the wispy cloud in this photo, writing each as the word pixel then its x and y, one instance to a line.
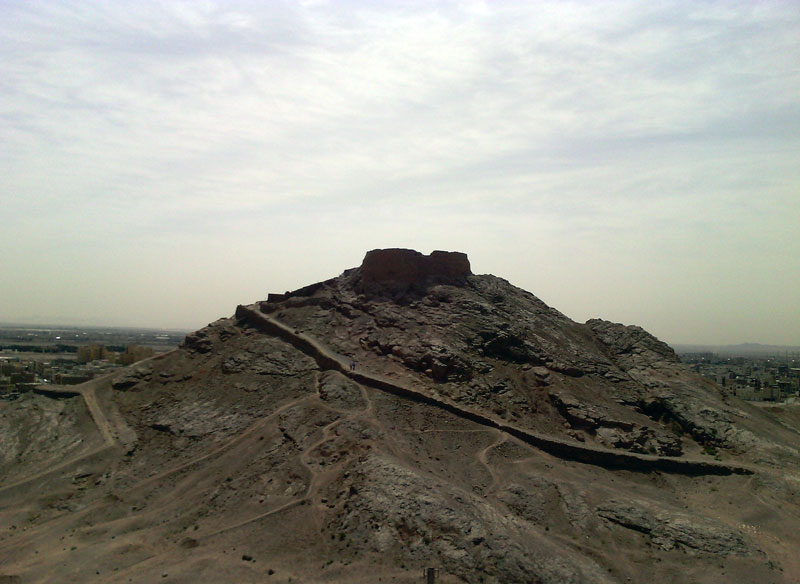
pixel 604 141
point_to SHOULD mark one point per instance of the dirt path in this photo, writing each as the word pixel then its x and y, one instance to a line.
pixel 236 440
pixel 6 489
pixel 483 458
pixel 249 520
pixel 90 397
pixel 314 473
pixel 110 431
pixel 87 392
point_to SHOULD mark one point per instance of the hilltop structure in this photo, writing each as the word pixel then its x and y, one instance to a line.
pixel 411 268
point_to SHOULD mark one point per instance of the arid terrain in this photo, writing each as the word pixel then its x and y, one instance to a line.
pixel 406 414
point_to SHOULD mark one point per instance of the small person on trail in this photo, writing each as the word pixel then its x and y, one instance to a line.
pixel 352 365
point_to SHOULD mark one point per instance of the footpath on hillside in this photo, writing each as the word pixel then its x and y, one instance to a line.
pixel 567 450
pixel 117 436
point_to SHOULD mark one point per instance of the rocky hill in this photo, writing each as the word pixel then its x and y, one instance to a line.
pixel 404 415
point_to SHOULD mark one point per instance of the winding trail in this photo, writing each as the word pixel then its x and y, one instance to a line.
pixel 88 393
pixel 308 496
pixel 284 507
pixel 98 452
pixel 483 457
pixel 237 439
pixel 110 431
pixel 313 487
pixel 564 449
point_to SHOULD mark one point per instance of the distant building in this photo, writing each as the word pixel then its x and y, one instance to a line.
pixel 89 353
pixel 784 387
pixel 73 378
pixel 9 367
pixel 5 385
pixel 134 353
pixel 23 377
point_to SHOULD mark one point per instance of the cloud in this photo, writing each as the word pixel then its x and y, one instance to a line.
pixel 615 134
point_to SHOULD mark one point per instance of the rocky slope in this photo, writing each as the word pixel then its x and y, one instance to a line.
pixel 407 414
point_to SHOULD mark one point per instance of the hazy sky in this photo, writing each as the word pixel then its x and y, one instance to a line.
pixel 162 162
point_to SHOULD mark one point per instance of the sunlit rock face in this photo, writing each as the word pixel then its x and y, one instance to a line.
pixel 409 267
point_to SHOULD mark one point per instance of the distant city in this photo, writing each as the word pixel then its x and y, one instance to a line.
pixel 38 356
pixel 751 372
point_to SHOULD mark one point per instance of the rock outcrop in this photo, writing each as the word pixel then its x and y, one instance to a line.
pixel 669 529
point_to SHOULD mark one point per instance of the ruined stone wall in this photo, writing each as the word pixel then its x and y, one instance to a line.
pixel 409 267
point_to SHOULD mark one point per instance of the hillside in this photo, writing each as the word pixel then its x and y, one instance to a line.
pixel 406 414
